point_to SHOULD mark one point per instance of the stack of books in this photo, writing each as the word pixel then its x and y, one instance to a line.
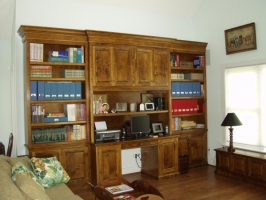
pixel 41 71
pixel 76 54
pixel 186 64
pixel 174 60
pixel 176 123
pixel 37 113
pixel 188 124
pixel 199 61
pixel 76 132
pixel 178 76
pixel 191 76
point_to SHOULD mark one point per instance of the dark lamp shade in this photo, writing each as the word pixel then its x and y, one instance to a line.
pixel 231 120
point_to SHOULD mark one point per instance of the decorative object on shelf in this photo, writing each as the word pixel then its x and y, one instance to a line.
pixel 241 38
pixel 141 107
pixel 146 97
pixel 133 107
pixel 157 127
pixel 105 107
pixel 113 110
pixel 121 107
pixel 231 120
pixel 149 106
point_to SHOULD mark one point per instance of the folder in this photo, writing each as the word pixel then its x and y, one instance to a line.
pixel 33 90
pixel 53 88
pixel 66 90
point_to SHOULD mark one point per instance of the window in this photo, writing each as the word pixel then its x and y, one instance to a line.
pixel 245 95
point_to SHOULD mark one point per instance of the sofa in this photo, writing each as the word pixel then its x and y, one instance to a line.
pixel 25 186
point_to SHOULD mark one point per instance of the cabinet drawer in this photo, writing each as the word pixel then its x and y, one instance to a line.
pixel 136 144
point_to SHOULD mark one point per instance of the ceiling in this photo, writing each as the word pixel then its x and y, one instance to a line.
pixel 180 8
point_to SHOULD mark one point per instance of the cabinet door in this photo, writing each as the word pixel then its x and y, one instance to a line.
pixel 75 162
pixel 108 162
pixel 160 69
pixel 197 150
pixel 238 165
pixel 256 169
pixel 168 156
pixel 47 153
pixel 102 66
pixel 122 69
pixel 223 161
pixel 144 67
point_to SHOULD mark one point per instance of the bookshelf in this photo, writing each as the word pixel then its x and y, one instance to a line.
pixel 52 92
pixel 188 90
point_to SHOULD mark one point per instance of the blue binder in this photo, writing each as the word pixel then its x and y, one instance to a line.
pixel 60 90
pixel 78 90
pixel 66 90
pixel 53 87
pixel 33 90
pixel 72 88
pixel 173 89
pixel 40 90
pixel 196 89
pixel 47 91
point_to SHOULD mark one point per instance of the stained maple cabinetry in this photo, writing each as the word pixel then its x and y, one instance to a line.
pixel 241 164
pixel 118 65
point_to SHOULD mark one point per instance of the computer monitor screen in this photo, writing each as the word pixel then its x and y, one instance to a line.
pixel 140 125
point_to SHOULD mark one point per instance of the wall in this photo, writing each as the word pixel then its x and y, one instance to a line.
pixel 210 28
pixel 81 15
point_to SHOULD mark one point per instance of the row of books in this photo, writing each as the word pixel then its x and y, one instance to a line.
pixel 184 106
pixel 188 76
pixel 181 89
pixel 179 124
pixel 36 52
pixel 41 71
pixel 72 112
pixel 198 61
pixel 42 90
pixel 61 134
pixel 71 55
pixel 73 73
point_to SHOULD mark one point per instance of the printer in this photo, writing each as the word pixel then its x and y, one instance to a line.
pixel 103 134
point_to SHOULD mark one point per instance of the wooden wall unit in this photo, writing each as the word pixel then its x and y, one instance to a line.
pixel 243 165
pixel 66 151
pixel 122 66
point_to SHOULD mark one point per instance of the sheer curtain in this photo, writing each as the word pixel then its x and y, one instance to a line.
pixel 245 95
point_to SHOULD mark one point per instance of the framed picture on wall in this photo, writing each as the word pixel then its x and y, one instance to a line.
pixel 241 38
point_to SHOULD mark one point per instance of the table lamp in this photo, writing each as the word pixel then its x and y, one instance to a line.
pixel 231 120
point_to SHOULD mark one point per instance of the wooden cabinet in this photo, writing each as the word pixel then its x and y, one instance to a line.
pixel 243 165
pixel 50 87
pixel 168 157
pixel 106 162
pixel 74 160
pixel 194 144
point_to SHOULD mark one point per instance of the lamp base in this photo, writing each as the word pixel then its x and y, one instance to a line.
pixel 230 149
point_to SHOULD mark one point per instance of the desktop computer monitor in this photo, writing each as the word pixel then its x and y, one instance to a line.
pixel 140 125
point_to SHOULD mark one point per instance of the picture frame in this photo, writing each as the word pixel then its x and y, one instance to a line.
pixel 240 39
pixel 146 97
pixel 157 127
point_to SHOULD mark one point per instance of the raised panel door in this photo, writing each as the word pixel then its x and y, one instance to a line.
pixel 168 156
pixel 75 162
pixel 223 161
pixel 108 162
pixel 256 169
pixel 160 67
pixel 238 164
pixel 47 153
pixel 102 66
pixel 144 67
pixel 197 149
pixel 122 70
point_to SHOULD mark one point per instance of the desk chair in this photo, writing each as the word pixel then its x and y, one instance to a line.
pixel 9 148
pixel 10 145
pixel 2 149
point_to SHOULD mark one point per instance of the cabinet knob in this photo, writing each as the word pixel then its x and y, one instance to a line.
pixel 140 144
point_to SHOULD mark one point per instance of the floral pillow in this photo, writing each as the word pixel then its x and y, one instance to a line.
pixel 49 171
pixel 19 168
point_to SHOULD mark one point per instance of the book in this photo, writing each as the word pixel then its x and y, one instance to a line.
pixel 124 197
pixel 117 189
pixel 70 54
pixel 58 59
pixel 58 54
